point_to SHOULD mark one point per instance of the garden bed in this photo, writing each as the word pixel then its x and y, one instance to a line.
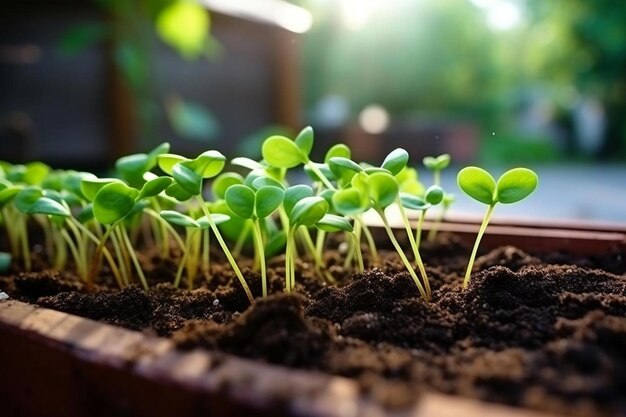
pixel 537 329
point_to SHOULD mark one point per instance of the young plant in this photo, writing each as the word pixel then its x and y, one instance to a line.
pixel 448 200
pixel 189 175
pixel 436 165
pixel 255 204
pixel 191 249
pixel 513 186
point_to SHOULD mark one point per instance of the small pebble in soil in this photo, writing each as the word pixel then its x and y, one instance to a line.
pixel 3 296
pixel 216 302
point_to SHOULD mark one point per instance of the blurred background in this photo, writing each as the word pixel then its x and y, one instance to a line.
pixel 498 83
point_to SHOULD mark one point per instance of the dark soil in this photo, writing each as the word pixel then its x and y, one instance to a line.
pixel 546 332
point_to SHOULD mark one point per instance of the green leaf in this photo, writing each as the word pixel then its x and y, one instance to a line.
pixel 90 186
pixel 268 199
pixel 515 185
pixel 8 192
pixel 154 154
pixel 208 164
pixel 240 200
pixel 338 150
pixel 251 164
pixel 282 152
pixel 478 184
pixel 383 189
pixel 334 223
pixel 167 161
pixel 217 218
pixel 35 173
pixel 294 194
pixel 396 161
pixel 434 194
pixel 85 214
pixel 261 182
pixel 179 219
pixel 343 168
pixel 73 182
pixel 438 163
pixel 350 201
pixel 413 202
pixel 188 179
pixel 154 187
pixel 223 181
pixel 304 140
pixel 184 25
pixel 308 211
pixel 26 198
pixel 113 202
pixel 177 192
pixel 132 167
pixel 45 205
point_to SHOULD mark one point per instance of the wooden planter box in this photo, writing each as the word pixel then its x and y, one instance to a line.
pixel 56 364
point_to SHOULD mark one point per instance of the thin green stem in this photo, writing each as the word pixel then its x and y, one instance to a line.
pixel 79 263
pixel 242 238
pixel 105 251
pixel 183 261
pixel 260 249
pixel 481 232
pixel 229 256
pixel 415 245
pixel 119 256
pixel 205 251
pixel 133 257
pixel 359 255
pixel 321 176
pixel 432 233
pixel 370 240
pixel 437 177
pixel 398 248
pixel 418 231
pixel 167 226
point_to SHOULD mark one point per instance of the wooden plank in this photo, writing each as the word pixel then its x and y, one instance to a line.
pixel 56 364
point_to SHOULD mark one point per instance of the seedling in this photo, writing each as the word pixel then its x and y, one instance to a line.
pixel 191 249
pixel 189 175
pixel 513 186
pixel 255 204
pixel 436 165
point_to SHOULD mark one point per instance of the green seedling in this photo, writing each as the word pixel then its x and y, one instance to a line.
pixel 188 175
pixel 284 153
pixel 306 211
pixel 446 203
pixel 513 186
pixel 436 165
pixel 191 249
pixel 255 204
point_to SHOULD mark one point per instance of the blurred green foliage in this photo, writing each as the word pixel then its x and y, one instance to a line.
pixel 439 59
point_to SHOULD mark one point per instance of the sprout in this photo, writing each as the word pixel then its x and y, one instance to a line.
pixel 189 175
pixel 256 204
pixel 191 250
pixel 513 186
pixel 436 165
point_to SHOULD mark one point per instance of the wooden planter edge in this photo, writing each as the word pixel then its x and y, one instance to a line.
pixel 57 364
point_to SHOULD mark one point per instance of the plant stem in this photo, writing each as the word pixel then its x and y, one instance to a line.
pixel 437 177
pixel 370 240
pixel 321 176
pixel 418 231
pixel 186 248
pixel 206 241
pixel 242 238
pixel 481 232
pixel 118 255
pixel 229 256
pixel 133 257
pixel 357 248
pixel 398 248
pixel 435 227
pixel 25 245
pixel 260 249
pixel 415 244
